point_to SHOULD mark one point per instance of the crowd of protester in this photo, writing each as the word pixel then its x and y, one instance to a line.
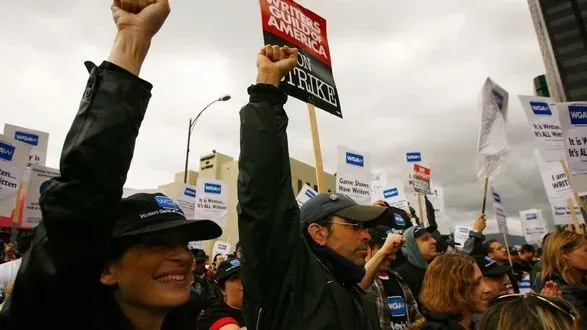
pixel 97 261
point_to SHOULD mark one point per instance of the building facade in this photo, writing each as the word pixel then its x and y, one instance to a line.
pixel 225 168
pixel 561 30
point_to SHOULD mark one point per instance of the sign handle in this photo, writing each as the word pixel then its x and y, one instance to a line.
pixel 573 215
pixel 507 247
pixel 485 195
pixel 317 150
pixel 420 207
pixel 578 228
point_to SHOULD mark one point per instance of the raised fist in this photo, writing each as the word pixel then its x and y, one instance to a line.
pixel 274 62
pixel 142 16
pixel 392 244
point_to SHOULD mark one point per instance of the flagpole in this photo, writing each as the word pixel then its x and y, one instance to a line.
pixel 576 196
pixel 485 194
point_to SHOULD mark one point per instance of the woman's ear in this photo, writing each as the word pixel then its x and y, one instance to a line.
pixel 108 276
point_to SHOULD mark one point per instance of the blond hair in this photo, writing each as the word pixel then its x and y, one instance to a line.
pixel 553 260
pixel 529 312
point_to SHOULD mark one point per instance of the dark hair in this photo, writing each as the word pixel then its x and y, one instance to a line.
pixel 527 248
pixel 487 246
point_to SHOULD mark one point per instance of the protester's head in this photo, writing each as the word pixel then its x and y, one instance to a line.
pixel 238 252
pixel 424 237
pixel 378 236
pixel 514 253
pixel 565 255
pixel 529 312
pixel 339 223
pixel 149 263
pixel 453 285
pixel 200 258
pixel 527 252
pixel 229 281
pixel 496 251
pixel 218 259
pixel 494 276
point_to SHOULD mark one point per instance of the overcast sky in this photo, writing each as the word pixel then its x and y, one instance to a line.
pixel 409 75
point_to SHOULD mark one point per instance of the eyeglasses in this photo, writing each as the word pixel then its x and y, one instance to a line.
pixel 562 307
pixel 355 225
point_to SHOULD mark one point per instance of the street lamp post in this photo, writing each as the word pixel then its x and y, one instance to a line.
pixel 192 123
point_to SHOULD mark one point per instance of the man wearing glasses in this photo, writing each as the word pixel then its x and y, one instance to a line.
pixel 300 267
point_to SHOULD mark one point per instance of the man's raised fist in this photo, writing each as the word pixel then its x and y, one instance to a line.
pixel 140 16
pixel 274 62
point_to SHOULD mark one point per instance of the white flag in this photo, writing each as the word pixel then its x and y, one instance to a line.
pixel 493 147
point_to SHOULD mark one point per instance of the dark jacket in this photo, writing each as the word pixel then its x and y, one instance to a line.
pixel 58 283
pixel 414 269
pixel 441 322
pixel 474 244
pixel 286 285
pixel 576 297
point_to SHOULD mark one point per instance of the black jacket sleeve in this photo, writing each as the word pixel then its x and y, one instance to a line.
pixel 61 270
pixel 474 244
pixel 268 214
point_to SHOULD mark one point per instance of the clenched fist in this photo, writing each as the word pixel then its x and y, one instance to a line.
pixel 274 62
pixel 392 244
pixel 142 16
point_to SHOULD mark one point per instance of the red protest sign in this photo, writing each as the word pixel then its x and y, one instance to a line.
pixel 421 179
pixel 298 26
pixel 286 23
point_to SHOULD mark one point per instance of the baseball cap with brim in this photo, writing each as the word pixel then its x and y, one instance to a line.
pixel 490 267
pixel 227 269
pixel 326 204
pixel 142 214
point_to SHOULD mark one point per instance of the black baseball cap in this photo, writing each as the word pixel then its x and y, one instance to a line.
pixel 421 229
pixel 199 254
pixel 379 234
pixel 151 213
pixel 490 267
pixel 226 269
pixel 327 204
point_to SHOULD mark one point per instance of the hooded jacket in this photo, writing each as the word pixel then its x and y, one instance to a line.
pixel 414 269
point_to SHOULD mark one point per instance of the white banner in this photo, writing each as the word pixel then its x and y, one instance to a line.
pixel 221 248
pixel 186 200
pixel 461 235
pixel 558 190
pixel 13 157
pixel 533 225
pixel 500 215
pixel 305 195
pixel 40 176
pixel 543 116
pixel 39 142
pixel 573 119
pixel 395 196
pixel 196 245
pixel 493 147
pixel 353 175
pixel 212 201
